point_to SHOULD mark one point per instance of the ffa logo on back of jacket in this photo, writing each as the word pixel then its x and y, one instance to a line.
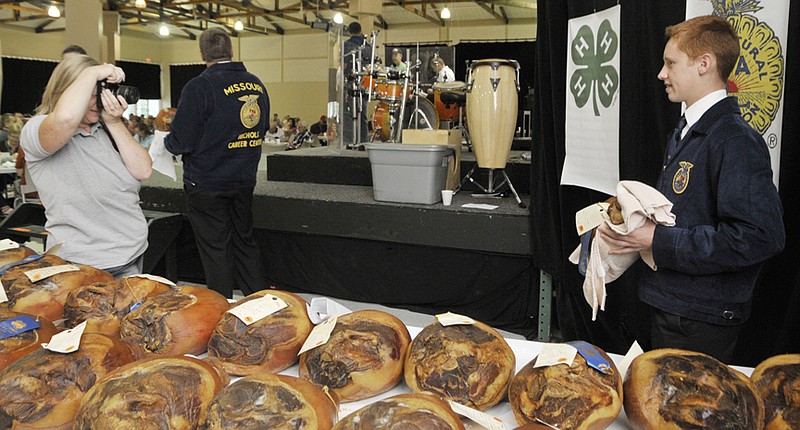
pixel 249 114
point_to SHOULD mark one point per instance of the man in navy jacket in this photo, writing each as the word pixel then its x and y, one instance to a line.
pixel 219 128
pixel 717 174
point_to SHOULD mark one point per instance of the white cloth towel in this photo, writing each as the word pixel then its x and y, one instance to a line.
pixel 162 159
pixel 638 202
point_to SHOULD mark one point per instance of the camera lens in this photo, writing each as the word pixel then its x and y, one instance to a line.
pixel 130 94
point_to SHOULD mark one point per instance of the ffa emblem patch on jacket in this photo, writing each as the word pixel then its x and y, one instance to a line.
pixel 681 179
pixel 250 112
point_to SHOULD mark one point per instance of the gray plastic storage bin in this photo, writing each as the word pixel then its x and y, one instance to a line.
pixel 409 173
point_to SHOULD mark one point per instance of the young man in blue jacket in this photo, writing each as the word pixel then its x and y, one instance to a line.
pixel 717 173
pixel 219 128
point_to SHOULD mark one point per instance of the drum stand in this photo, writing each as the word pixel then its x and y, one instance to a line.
pixel 492 190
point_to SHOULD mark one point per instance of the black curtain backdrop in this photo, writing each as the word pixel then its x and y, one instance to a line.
pixel 179 75
pixel 24 81
pixel 646 118
pixel 144 76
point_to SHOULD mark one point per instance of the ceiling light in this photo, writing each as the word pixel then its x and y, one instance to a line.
pixel 238 26
pixel 140 4
pixel 53 11
pixel 338 18
pixel 163 30
pixel 445 13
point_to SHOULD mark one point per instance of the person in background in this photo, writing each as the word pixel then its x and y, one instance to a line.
pixel 89 188
pixel 72 50
pixel 143 135
pixel 320 126
pixel 301 137
pixel 729 217
pixel 356 43
pixel 397 61
pixel 219 128
pixel 274 132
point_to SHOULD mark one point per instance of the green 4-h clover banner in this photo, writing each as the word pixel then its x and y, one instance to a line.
pixel 758 78
pixel 592 109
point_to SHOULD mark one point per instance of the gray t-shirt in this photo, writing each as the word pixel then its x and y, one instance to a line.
pixel 91 200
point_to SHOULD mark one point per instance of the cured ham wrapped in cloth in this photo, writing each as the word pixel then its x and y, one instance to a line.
pixel 46 296
pixel 777 380
pixel 103 305
pixel 268 345
pixel 403 411
pixel 470 364
pixel 673 389
pixel 363 357
pixel 154 393
pixel 43 389
pixel 176 322
pixel 278 402
pixel 22 344
pixel 576 396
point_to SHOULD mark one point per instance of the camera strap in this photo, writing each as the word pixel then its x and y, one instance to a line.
pixel 108 133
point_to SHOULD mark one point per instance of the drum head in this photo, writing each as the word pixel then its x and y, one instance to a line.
pixel 450 86
pixel 420 114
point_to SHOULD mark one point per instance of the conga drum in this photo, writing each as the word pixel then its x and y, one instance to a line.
pixel 447 113
pixel 492 87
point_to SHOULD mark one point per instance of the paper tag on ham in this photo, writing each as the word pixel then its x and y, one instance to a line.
pixel 55 249
pixel 634 351
pixel 37 275
pixel 3 296
pixel 17 325
pixel 555 353
pixel 590 217
pixel 67 341
pixel 258 309
pixel 450 318
pixel 155 278
pixel 591 355
pixel 8 244
pixel 482 418
pixel 319 335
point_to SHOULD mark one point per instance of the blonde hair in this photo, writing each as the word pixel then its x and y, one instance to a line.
pixel 63 76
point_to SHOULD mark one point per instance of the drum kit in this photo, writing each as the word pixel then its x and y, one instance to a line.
pixel 484 108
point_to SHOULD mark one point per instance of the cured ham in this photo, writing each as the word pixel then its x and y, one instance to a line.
pixel 577 397
pixel 12 255
pixel 265 346
pixel 20 345
pixel 470 364
pixel 363 357
pixel 677 389
pixel 404 411
pixel 46 297
pixel 176 322
pixel 267 401
pixel 43 389
pixel 777 380
pixel 155 393
pixel 104 305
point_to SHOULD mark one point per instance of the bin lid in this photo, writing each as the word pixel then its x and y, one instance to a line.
pixel 412 148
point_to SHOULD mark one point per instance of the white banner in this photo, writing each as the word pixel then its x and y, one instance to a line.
pixel 592 109
pixel 758 78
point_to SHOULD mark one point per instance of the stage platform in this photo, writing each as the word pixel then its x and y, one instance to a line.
pixel 321 231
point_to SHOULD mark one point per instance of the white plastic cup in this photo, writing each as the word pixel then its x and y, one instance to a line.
pixel 447 197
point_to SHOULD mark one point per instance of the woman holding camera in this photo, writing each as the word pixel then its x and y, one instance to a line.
pixel 89 186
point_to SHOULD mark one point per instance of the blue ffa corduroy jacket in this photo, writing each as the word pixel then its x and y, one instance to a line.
pixel 219 127
pixel 729 219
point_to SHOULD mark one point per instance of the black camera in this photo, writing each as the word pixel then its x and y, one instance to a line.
pixel 130 94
